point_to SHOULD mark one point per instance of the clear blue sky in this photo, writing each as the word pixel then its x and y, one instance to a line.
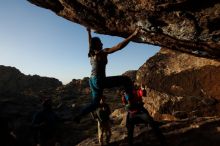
pixel 37 41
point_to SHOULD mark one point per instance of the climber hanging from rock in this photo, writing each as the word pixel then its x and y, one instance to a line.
pixel 98 80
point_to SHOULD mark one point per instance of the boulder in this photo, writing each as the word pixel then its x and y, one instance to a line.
pixel 184 25
pixel 180 84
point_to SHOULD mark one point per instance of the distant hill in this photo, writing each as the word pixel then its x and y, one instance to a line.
pixel 131 74
pixel 12 81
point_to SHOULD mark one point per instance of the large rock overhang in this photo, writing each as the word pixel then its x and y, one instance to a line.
pixel 191 26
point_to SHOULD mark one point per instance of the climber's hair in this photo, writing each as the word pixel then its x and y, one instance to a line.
pixel 93 46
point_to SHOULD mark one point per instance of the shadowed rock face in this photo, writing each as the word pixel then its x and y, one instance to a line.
pixel 131 74
pixel 184 25
pixel 181 74
pixel 181 82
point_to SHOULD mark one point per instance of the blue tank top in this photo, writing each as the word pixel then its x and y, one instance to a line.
pixel 98 65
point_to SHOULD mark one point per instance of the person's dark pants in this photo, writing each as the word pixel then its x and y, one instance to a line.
pixel 143 117
pixel 97 84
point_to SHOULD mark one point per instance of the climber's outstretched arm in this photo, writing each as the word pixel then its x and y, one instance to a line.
pixel 122 44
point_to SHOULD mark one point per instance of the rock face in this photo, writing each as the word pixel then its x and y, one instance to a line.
pixel 75 87
pixel 131 74
pixel 184 25
pixel 181 74
pixel 12 81
pixel 180 82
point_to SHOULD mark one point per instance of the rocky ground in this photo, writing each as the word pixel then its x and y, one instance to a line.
pixel 194 131
pixel 197 131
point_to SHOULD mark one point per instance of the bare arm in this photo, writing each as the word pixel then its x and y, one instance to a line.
pixel 89 36
pixel 122 44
